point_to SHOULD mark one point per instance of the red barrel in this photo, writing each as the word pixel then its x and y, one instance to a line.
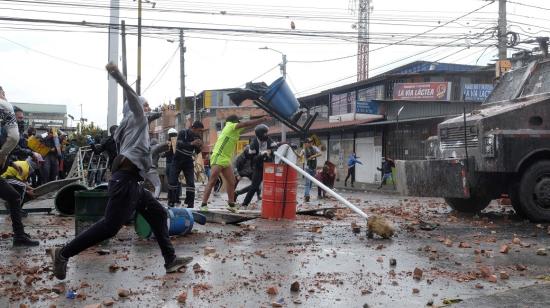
pixel 279 191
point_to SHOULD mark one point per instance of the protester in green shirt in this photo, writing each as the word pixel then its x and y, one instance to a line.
pixel 222 155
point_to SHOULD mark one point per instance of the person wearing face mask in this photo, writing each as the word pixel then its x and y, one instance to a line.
pixel 258 152
pixel 126 193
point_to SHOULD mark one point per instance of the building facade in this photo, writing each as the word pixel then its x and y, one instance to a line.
pixel 44 116
pixel 392 114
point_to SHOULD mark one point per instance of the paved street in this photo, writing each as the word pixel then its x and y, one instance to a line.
pixel 459 259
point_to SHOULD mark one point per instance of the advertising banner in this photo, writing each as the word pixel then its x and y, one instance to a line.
pixel 368 107
pixel 476 92
pixel 424 91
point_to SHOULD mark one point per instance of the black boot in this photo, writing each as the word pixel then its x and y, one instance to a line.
pixel 24 240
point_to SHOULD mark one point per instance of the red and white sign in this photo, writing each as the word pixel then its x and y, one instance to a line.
pixel 424 91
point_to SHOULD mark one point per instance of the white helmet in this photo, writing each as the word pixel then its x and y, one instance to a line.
pixel 172 131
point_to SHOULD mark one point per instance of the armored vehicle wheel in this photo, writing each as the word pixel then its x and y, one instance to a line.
pixel 473 204
pixel 534 192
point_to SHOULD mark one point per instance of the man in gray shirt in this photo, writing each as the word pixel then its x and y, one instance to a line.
pixel 126 193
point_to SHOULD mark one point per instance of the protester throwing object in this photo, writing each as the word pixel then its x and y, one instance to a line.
pixel 126 195
pixel 352 161
pixel 222 155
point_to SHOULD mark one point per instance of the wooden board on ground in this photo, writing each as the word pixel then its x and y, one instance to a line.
pixel 53 186
pixel 327 212
pixel 225 217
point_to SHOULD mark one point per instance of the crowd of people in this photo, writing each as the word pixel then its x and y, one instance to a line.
pixel 28 159
pixel 132 158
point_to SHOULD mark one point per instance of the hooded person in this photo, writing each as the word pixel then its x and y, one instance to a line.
pixel 126 194
pixel 258 152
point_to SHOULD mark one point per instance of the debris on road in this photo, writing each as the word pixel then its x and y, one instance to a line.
pixel 123 292
pixel 295 287
pixel 380 226
pixel 272 290
pixel 417 273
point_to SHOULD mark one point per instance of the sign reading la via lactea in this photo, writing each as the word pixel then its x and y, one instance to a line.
pixel 422 91
pixel 477 92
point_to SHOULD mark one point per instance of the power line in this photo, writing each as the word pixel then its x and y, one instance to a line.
pixel 401 41
pixel 162 70
pixel 530 5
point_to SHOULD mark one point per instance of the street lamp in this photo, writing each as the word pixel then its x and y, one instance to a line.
pixel 283 72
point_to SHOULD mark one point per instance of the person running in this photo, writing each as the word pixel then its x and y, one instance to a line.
pixel 352 161
pixel 126 195
pixel 188 144
pixel 7 192
pixel 222 155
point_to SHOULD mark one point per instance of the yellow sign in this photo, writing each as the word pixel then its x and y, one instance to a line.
pixel 207 99
pixel 502 66
pixel 240 145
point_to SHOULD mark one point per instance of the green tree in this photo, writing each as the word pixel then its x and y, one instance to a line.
pixel 87 129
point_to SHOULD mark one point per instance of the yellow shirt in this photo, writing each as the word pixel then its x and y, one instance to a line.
pixel 11 172
pixel 37 146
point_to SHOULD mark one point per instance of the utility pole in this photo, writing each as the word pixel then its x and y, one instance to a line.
pixel 182 80
pixel 502 40
pixel 112 101
pixel 123 46
pixel 138 81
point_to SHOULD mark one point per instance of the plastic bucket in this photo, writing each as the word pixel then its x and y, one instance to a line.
pixel 89 208
pixel 180 222
pixel 279 191
pixel 281 99
pixel 142 228
pixel 65 198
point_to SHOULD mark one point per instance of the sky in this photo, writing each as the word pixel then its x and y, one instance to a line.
pixel 64 64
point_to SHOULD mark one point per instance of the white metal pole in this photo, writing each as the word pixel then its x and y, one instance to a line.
pixel 322 186
pixel 112 94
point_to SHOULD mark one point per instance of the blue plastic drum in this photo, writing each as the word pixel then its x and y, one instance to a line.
pixel 180 221
pixel 281 98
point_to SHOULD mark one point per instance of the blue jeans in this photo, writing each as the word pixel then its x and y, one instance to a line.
pixel 308 183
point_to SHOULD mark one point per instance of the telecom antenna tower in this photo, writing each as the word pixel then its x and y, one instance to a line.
pixel 362 8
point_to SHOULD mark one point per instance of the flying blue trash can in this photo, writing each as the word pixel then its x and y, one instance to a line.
pixel 281 99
